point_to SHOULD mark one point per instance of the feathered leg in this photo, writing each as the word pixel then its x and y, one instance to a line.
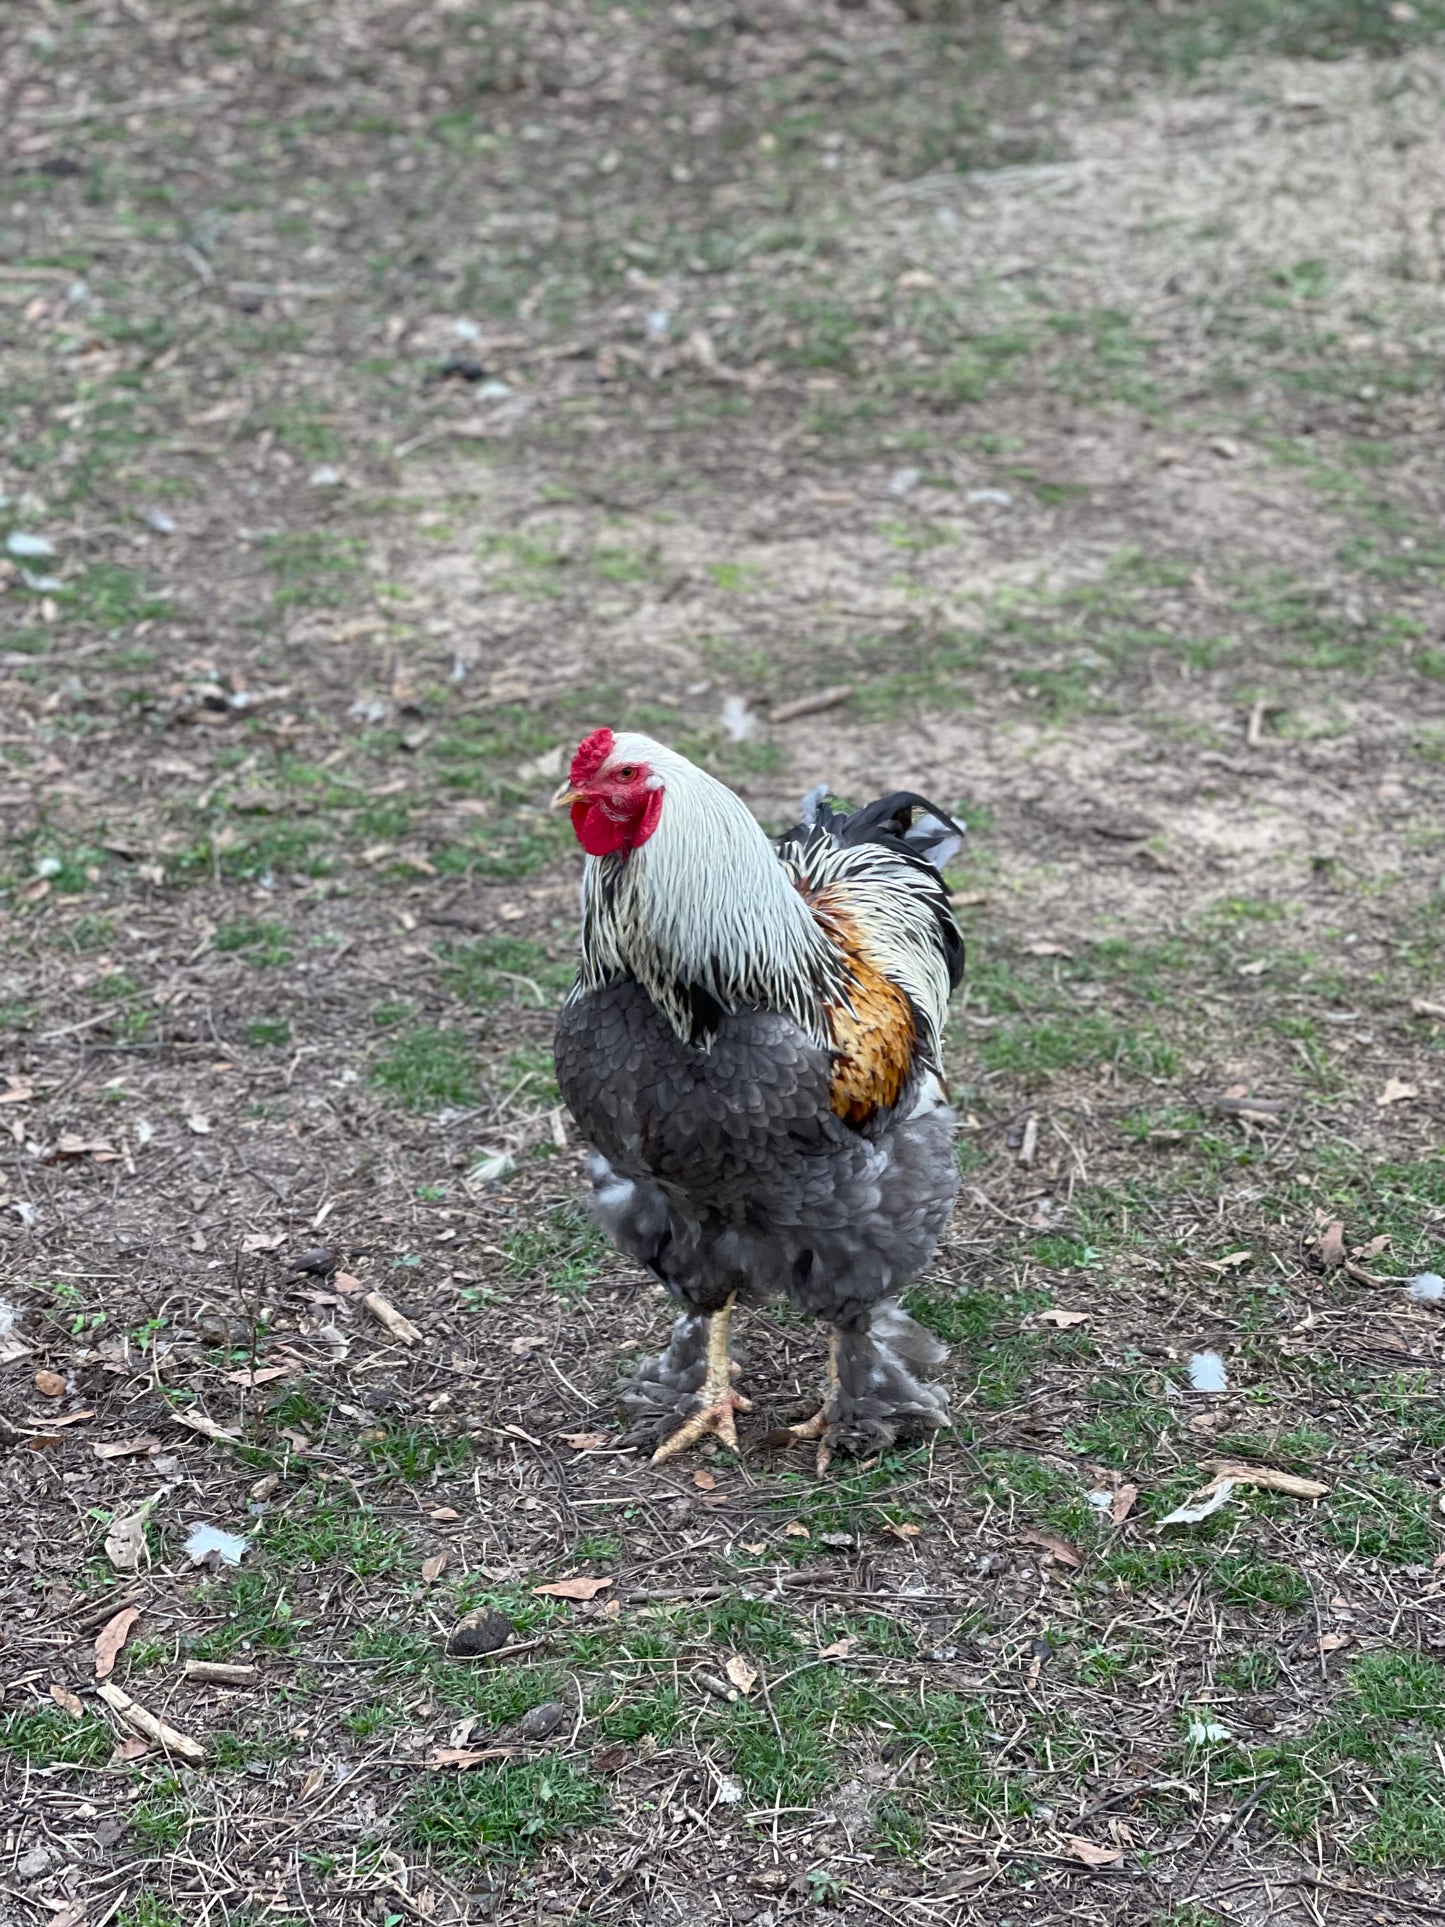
pixel 719 1401
pixel 876 1391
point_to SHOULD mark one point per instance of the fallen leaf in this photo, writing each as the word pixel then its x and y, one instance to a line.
pixel 443 1514
pixel 1046 949
pixel 1231 1262
pixel 433 1568
pixel 125 1542
pixel 198 1122
pixel 1091 1855
pixel 345 1283
pixel 1328 1250
pixel 70 1418
pixel 72 1914
pixel 262 1376
pixel 796 1531
pixel 1123 1503
pixel 527 1342
pixel 755 1546
pixel 517 1433
pixel 743 1676
pixel 1061 1549
pixel 263 1240
pixel 704 1481
pixel 584 1441
pixel 63 1696
pixel 1420 1007
pixel 1395 1092
pixel 131 1748
pixel 19 1090
pixel 1332 1642
pixel 50 1384
pixel 897 1531
pixel 110 1639
pixel 126 1448
pixel 1362 1254
pixel 1255 969
pixel 839 1649
pixel 207 1427
pixel 579 1588
pixel 70 1146
pixel 1056 1315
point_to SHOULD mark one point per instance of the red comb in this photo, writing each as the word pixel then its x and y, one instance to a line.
pixel 592 752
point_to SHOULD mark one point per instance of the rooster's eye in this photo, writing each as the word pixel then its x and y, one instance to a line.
pixel 626 773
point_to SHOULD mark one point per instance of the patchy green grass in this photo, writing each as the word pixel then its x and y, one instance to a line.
pixel 427 1068
pixel 499 1812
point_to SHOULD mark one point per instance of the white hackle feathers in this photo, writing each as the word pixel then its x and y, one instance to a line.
pixel 703 904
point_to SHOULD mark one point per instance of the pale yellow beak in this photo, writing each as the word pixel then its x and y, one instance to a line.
pixel 564 796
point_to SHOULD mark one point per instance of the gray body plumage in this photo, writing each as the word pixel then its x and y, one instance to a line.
pixel 719 1165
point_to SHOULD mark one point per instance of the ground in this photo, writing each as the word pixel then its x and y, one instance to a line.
pixel 391 394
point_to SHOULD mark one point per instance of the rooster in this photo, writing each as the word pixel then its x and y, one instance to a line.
pixel 752 1049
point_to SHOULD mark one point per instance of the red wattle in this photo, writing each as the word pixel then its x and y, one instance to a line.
pixel 601 834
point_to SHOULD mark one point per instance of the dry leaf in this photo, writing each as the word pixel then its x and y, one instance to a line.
pixel 1332 1642
pixel 1056 1315
pixel 1123 1503
pixel 71 1418
pixel 207 1427
pixel 579 1588
pixel 1091 1855
pixel 839 1649
pixel 133 1747
pixel 69 1146
pixel 1231 1262
pixel 345 1283
pixel 50 1384
pixel 1395 1092
pixel 433 1568
pixel 584 1441
pixel 19 1090
pixel 704 1481
pixel 385 1313
pixel 63 1696
pixel 1362 1254
pixel 1420 1006
pixel 443 1514
pixel 111 1637
pixel 1061 1549
pixel 263 1240
pixel 1328 1249
pixel 527 1342
pixel 126 1448
pixel 796 1531
pixel 125 1542
pixel 757 1547
pixel 199 1123
pixel 263 1375
pixel 902 1531
pixel 1046 949
pixel 743 1676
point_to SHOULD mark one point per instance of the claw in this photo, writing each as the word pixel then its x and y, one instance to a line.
pixel 717 1418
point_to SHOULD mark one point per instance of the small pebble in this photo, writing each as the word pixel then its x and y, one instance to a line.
pixel 543 1721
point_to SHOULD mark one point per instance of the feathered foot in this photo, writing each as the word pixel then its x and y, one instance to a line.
pixel 876 1394
pixel 719 1401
